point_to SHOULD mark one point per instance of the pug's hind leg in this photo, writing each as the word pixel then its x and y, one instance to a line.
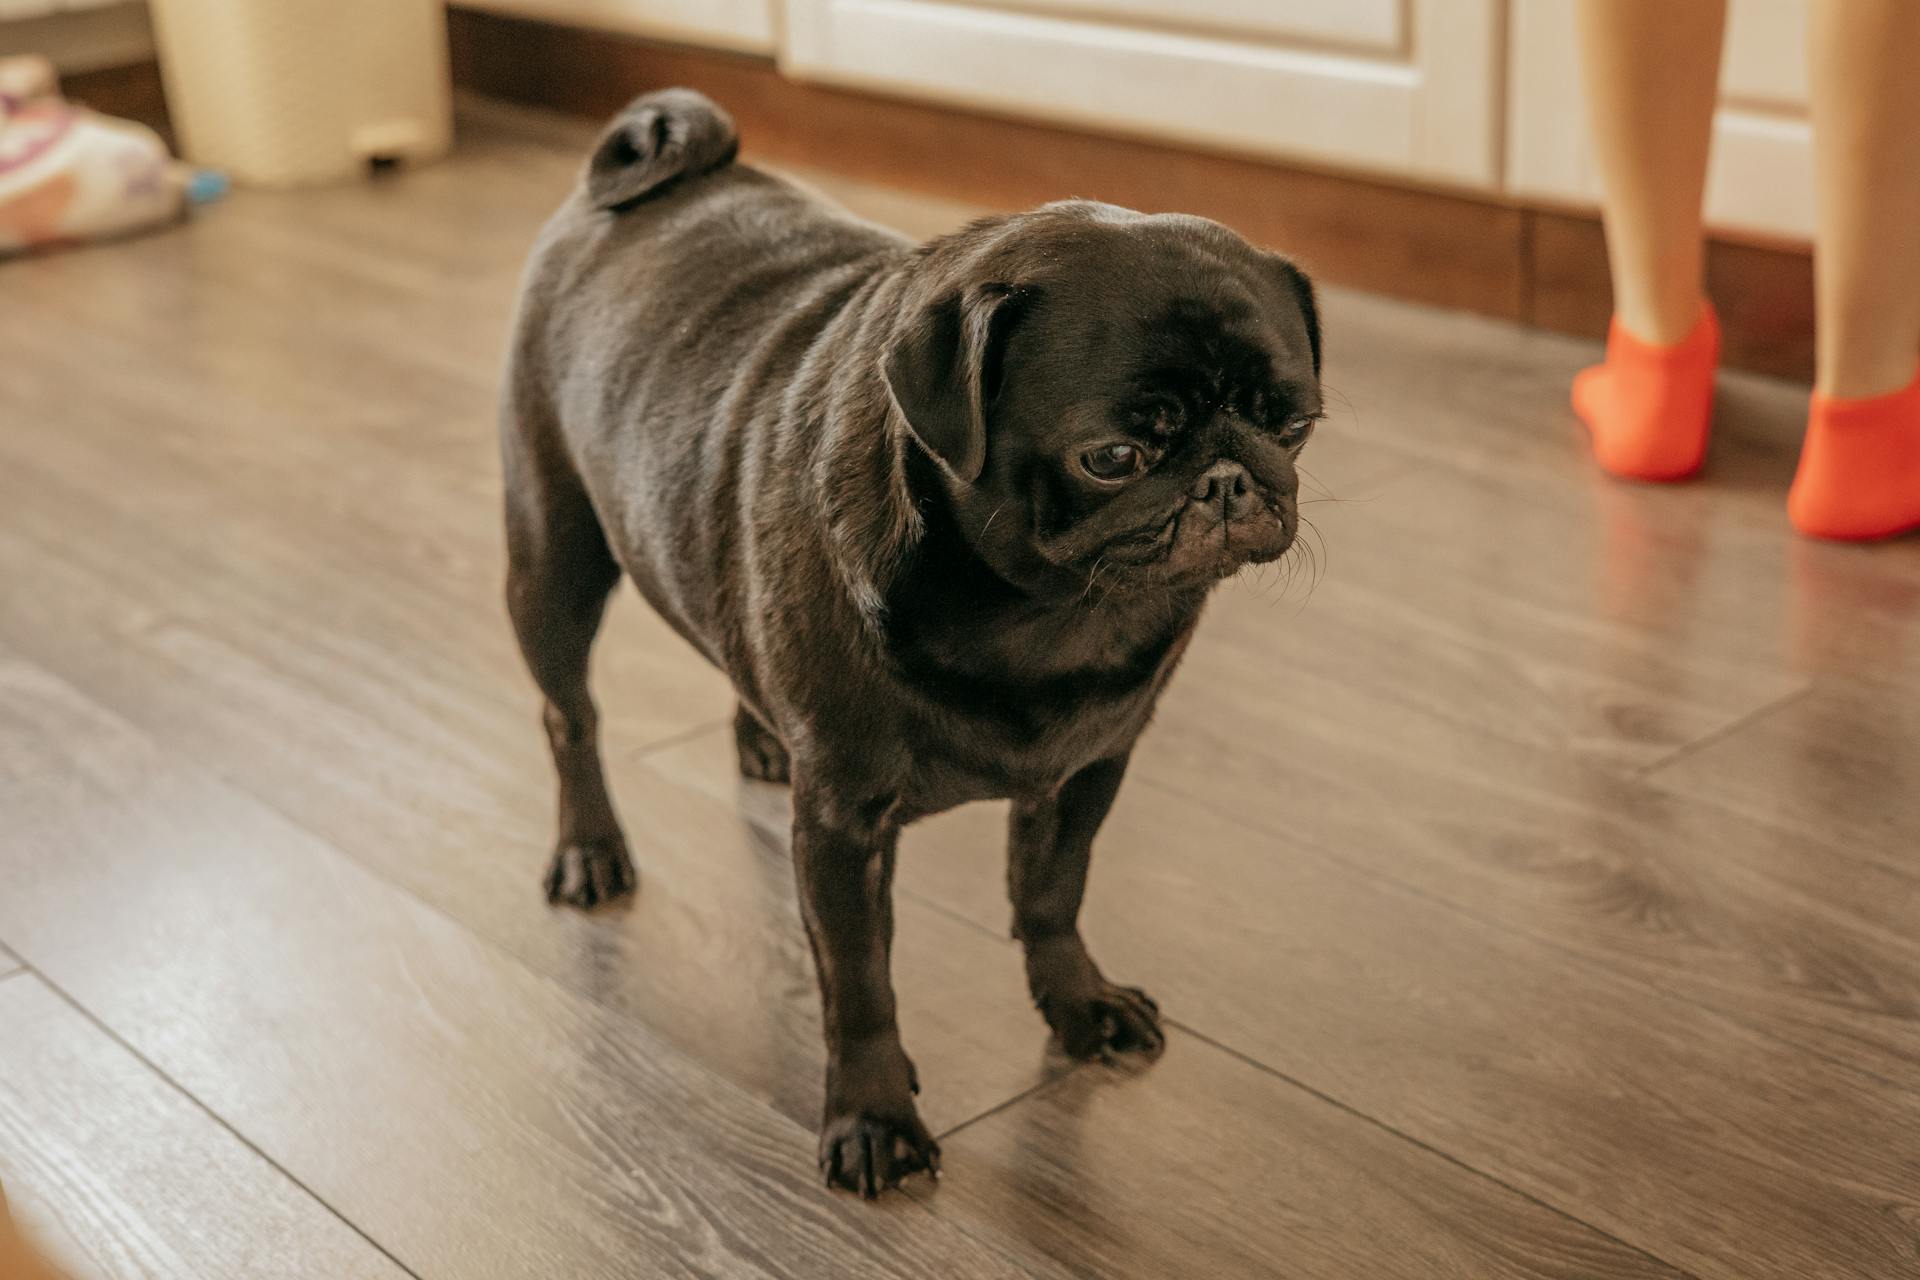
pixel 763 757
pixel 559 574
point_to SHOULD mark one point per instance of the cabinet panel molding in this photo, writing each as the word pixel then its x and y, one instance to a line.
pixel 1420 102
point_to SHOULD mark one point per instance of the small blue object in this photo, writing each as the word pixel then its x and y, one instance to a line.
pixel 206 186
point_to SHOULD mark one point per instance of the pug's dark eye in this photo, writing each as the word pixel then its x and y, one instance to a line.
pixel 1295 433
pixel 1111 463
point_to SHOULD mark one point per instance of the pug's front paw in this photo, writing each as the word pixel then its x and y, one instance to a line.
pixel 589 873
pixel 1092 1017
pixel 870 1153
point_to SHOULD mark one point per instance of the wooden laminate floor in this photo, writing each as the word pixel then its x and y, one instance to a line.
pixel 1533 885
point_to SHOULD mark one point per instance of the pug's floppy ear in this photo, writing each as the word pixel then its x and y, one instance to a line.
pixel 944 368
pixel 1303 293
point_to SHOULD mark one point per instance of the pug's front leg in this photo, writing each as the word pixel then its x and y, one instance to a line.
pixel 1050 841
pixel 871 1136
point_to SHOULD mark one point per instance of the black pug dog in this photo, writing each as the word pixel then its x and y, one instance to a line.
pixel 946 515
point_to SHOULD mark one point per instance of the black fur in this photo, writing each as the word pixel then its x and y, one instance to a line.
pixel 852 472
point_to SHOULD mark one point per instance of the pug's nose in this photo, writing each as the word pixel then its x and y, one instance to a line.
pixel 1227 486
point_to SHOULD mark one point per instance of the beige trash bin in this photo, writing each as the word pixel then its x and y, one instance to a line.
pixel 289 92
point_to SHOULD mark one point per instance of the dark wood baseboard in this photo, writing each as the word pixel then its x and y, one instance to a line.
pixel 1495 257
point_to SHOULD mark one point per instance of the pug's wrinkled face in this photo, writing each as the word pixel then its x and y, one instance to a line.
pixel 1141 391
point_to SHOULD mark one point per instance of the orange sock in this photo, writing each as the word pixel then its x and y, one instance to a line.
pixel 1649 406
pixel 1859 472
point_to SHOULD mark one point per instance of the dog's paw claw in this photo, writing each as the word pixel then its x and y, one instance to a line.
pixel 589 874
pixel 869 1154
pixel 1113 1020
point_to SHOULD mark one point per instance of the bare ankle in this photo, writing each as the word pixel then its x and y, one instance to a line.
pixel 1861 375
pixel 1660 322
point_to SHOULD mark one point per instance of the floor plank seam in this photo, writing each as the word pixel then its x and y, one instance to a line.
pixel 932 904
pixel 671 740
pixel 1432 1150
pixel 1725 731
pixel 1583 959
pixel 1031 1091
pixel 221 1121
pixel 1798 1046
pixel 1885 861
pixel 919 1194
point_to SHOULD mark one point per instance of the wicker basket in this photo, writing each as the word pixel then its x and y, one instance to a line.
pixel 291 92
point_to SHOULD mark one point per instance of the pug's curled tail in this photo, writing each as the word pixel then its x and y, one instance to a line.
pixel 660 139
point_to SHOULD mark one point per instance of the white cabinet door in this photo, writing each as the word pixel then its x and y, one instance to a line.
pixel 725 24
pixel 1762 174
pixel 1405 87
